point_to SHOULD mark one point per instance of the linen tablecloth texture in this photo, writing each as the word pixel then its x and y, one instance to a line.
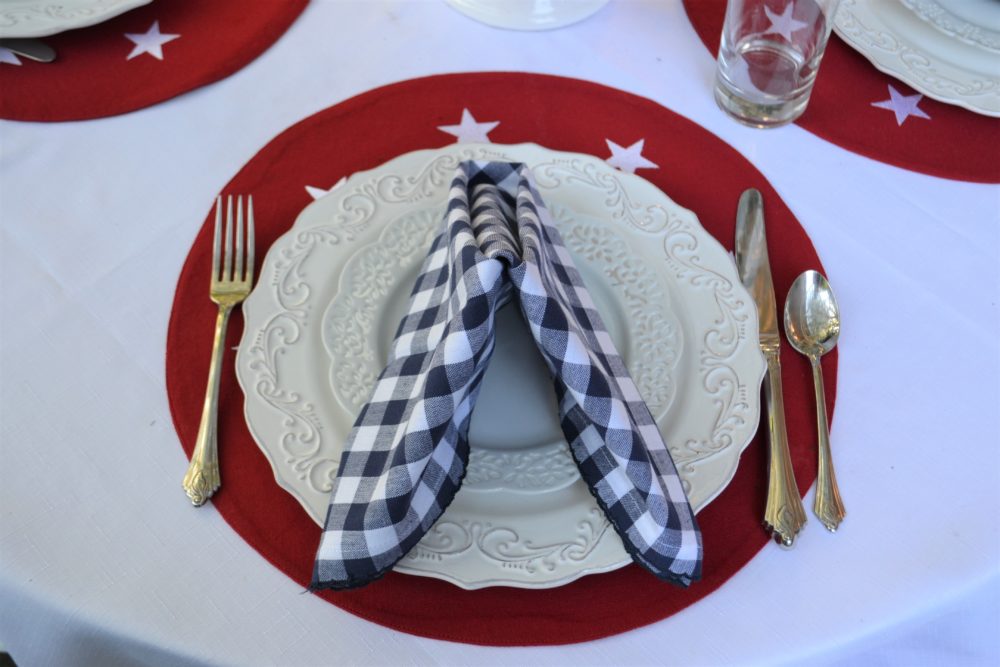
pixel 406 456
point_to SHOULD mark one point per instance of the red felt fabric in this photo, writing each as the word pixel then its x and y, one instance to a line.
pixel 697 170
pixel 92 77
pixel 955 143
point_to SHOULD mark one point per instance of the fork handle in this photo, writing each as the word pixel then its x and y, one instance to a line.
pixel 202 477
pixel 828 506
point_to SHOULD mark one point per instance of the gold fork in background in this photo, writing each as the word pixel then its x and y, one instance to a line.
pixel 232 277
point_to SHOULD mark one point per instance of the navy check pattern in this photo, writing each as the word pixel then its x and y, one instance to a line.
pixel 407 453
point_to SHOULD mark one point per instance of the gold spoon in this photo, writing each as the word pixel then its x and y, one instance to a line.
pixel 812 325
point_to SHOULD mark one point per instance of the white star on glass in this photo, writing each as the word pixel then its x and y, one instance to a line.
pixel 316 193
pixel 903 106
pixel 629 159
pixel 9 57
pixel 150 42
pixel 469 131
pixel 783 24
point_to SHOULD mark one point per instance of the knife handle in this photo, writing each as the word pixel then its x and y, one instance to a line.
pixel 784 515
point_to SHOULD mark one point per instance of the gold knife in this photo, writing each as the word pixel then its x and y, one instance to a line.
pixel 784 514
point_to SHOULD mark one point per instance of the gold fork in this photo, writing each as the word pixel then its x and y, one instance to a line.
pixel 230 285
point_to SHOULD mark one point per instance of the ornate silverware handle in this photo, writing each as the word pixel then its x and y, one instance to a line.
pixel 828 506
pixel 202 477
pixel 784 514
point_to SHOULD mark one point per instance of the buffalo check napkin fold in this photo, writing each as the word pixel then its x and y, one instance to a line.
pixel 407 453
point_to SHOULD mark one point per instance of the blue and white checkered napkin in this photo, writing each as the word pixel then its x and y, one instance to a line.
pixel 407 453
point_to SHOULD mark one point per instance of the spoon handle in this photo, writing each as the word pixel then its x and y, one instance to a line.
pixel 828 507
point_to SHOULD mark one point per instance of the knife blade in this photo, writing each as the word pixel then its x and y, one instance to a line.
pixel 784 514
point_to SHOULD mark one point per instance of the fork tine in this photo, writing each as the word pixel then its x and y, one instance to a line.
pixel 217 239
pixel 227 262
pixel 249 238
pixel 238 268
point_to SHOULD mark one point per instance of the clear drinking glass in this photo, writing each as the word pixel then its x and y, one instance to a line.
pixel 768 58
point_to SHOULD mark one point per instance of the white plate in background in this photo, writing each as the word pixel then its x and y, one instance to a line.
pixel 900 43
pixel 528 14
pixel 975 22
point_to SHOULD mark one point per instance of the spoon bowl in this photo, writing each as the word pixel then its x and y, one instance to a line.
pixel 812 318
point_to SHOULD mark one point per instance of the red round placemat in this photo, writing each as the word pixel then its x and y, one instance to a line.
pixel 951 143
pixel 697 170
pixel 175 46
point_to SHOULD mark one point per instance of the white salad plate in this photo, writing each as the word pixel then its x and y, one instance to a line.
pixel 40 18
pixel 902 43
pixel 333 288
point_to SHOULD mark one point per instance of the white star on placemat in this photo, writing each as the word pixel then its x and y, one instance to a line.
pixel 903 106
pixel 783 24
pixel 316 193
pixel 9 57
pixel 150 42
pixel 470 131
pixel 629 159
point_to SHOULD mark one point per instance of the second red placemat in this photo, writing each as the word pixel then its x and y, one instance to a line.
pixel 938 139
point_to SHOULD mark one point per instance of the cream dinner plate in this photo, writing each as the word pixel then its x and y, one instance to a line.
pixel 333 289
pixel 39 18
pixel 909 44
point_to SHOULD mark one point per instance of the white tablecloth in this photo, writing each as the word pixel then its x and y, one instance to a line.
pixel 103 561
